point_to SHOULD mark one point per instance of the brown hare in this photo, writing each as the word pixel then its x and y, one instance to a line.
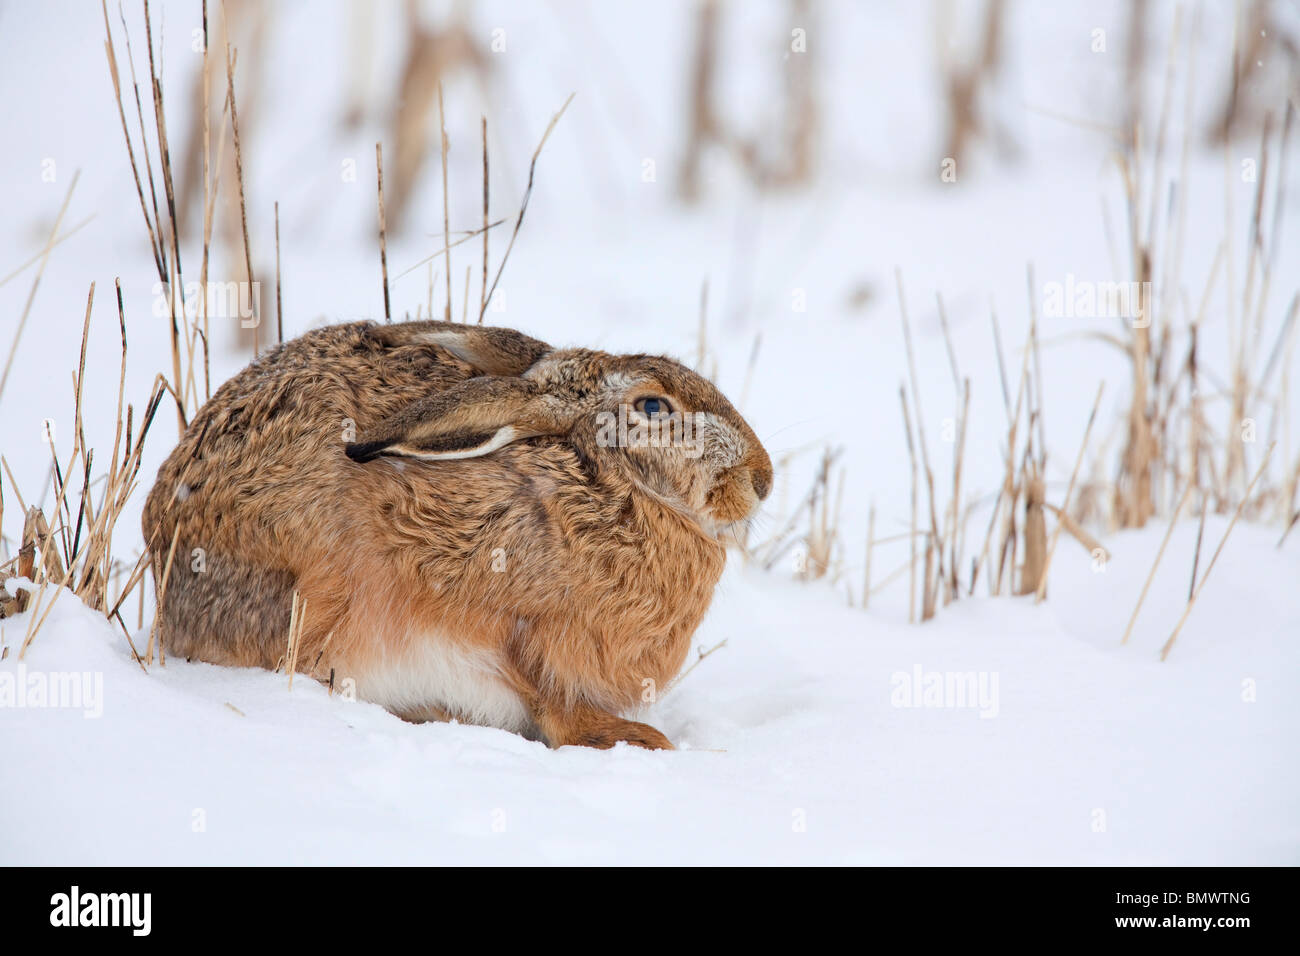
pixel 481 527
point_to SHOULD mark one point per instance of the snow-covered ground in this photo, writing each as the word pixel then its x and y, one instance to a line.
pixel 798 739
pixel 801 742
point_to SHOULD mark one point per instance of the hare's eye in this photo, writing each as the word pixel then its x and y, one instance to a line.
pixel 653 407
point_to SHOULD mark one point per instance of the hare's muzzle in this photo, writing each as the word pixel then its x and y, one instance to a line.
pixel 760 476
pixel 742 488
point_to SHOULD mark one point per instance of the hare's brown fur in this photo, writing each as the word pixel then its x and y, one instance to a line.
pixel 545 583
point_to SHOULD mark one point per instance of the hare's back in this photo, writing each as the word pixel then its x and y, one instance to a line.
pixel 265 453
pixel 362 370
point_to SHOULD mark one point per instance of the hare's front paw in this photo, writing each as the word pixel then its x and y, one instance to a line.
pixel 637 734
pixel 594 728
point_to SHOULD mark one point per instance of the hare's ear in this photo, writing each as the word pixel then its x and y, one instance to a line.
pixel 491 350
pixel 469 420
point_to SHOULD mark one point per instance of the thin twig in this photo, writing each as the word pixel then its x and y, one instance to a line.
pixel 279 306
pixel 446 211
pixel 383 229
pixel 698 661
pixel 1169 644
pixel 482 297
pixel 523 207
pixel 239 181
pixel 31 296
pixel 1069 492
pixel 429 258
pixel 911 451
pixel 1173 519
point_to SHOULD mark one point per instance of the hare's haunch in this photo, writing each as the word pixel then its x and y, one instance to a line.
pixel 478 526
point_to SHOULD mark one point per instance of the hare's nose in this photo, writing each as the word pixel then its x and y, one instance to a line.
pixel 761 478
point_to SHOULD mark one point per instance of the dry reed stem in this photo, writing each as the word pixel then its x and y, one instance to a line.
pixel 1002 369
pixel 61 502
pixel 54 243
pixel 37 535
pixel 383 230
pixel 51 570
pixel 822 522
pixel 1295 519
pixel 162 596
pixel 1169 644
pixel 430 258
pixel 959 455
pixel 26 560
pixel 523 207
pixel 934 539
pixel 136 574
pixel 13 484
pixel 34 624
pixel 121 375
pixel 239 181
pixel 139 115
pixel 1196 554
pixel 1035 533
pixel 777 545
pixel 169 281
pixel 464 307
pixel 947 340
pixel 911 451
pixel 1038 367
pixel 750 366
pixel 928 594
pixel 892 576
pixel 1069 493
pixel 111 54
pixel 164 150
pixel 701 655
pixel 446 211
pixel 997 504
pixel 1173 519
pixel 297 616
pixel 131 644
pixel 1010 493
pixel 482 296
pixel 702 338
pixel 279 304
pixel 1090 544
pixel 323 648
pixel 206 81
pixel 211 189
pixel 871 543
pixel 31 296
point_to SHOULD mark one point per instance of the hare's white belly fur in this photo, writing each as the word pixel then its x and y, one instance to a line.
pixel 436 672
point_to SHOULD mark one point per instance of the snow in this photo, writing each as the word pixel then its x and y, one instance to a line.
pixel 794 748
pixel 792 745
